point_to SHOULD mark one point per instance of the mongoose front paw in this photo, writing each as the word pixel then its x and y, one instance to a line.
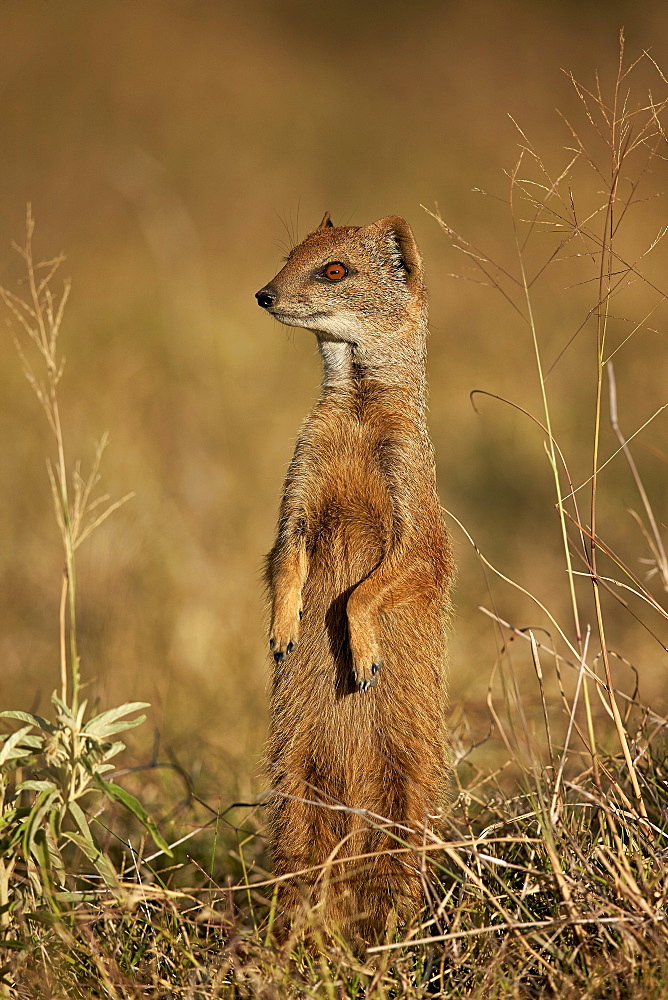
pixel 367 660
pixel 364 646
pixel 284 634
pixel 364 683
pixel 280 652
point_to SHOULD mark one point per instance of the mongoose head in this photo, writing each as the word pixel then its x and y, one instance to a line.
pixel 360 285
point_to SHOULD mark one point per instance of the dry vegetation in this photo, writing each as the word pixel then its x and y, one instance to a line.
pixel 552 880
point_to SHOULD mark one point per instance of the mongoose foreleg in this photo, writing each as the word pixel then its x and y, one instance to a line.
pixel 394 582
pixel 288 571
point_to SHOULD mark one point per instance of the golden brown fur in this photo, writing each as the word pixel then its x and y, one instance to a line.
pixel 358 695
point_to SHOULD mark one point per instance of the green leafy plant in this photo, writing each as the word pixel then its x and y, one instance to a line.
pixel 51 770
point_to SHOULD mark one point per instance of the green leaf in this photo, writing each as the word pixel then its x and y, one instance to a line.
pixel 64 712
pixel 7 817
pixel 44 804
pixel 79 817
pixel 116 727
pixel 34 720
pixel 32 741
pixel 81 713
pixel 107 722
pixel 35 786
pixel 12 742
pixel 23 754
pixel 110 750
pixel 10 830
pixel 52 838
pixel 102 864
pixel 118 794
pixel 36 741
pixel 39 848
pixel 103 751
pixel 43 917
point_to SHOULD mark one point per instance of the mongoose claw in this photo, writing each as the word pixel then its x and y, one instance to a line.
pixel 366 682
pixel 280 654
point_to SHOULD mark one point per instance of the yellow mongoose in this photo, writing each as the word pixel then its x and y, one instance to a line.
pixel 359 578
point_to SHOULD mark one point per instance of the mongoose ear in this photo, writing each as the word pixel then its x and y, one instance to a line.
pixel 408 254
pixel 326 222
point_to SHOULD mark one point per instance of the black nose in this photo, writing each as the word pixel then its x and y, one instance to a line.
pixel 266 297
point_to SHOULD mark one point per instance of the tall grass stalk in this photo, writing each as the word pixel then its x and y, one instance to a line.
pixel 39 317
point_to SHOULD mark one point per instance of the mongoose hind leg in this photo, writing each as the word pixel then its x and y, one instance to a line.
pixel 307 837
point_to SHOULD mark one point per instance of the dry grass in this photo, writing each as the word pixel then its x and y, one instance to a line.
pixel 552 880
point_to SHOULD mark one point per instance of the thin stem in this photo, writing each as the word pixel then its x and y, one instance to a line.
pixel 552 451
pixel 617 153
pixel 63 631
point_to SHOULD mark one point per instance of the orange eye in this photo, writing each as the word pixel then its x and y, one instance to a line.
pixel 335 271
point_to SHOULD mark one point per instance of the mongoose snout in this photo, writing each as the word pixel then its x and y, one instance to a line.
pixel 266 297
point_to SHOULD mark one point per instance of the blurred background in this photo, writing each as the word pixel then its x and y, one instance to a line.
pixel 174 151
